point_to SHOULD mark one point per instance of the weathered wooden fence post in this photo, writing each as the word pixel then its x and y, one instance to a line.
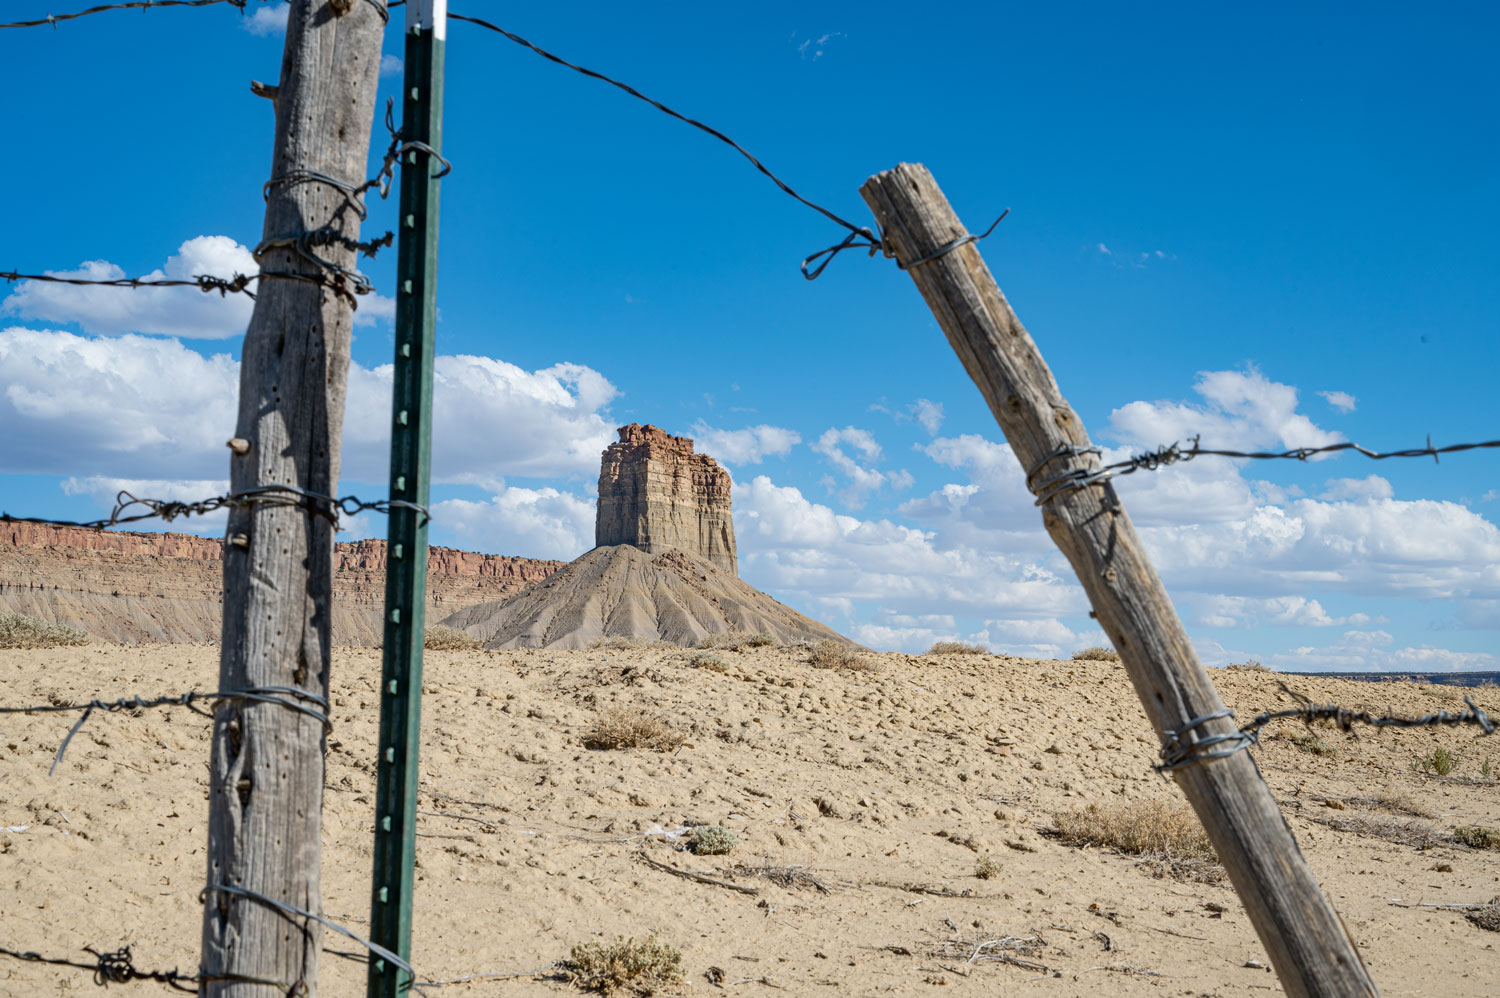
pixel 266 779
pixel 1308 944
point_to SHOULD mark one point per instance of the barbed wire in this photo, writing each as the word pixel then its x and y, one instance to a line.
pixel 1176 453
pixel 860 236
pixel 1178 754
pixel 238 284
pixel 168 510
pixel 118 968
pixel 55 19
pixel 279 695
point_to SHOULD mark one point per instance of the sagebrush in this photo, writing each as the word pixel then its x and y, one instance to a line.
pixel 441 638
pixel 641 967
pixel 713 840
pixel 618 728
pixel 736 641
pixel 830 654
pixel 19 630
pixel 957 648
pixel 1097 653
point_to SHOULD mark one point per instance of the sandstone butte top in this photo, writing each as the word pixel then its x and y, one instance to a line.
pixel 656 494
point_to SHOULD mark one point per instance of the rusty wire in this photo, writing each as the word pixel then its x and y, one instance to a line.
pixel 322 505
pixel 1176 453
pixel 117 968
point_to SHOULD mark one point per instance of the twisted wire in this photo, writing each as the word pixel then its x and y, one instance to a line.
pixel 117 967
pixel 1178 753
pixel 167 510
pixel 1175 453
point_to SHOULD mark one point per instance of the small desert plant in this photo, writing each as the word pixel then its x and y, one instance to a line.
pixel 1169 838
pixel 829 654
pixel 629 644
pixel 1439 761
pixel 1478 836
pixel 639 967
pixel 1249 665
pixel 1485 770
pixel 736 641
pixel 627 729
pixel 19 630
pixel 1486 917
pixel 440 638
pixel 1096 654
pixel 713 840
pixel 987 867
pixel 1309 742
pixel 1402 831
pixel 708 660
pixel 957 648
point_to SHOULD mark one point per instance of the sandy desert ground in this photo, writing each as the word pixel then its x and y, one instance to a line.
pixel 878 793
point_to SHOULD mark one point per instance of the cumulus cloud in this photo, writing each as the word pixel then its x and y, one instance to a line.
pixel 1378 651
pixel 1369 487
pixel 391 65
pixel 1276 611
pixel 1242 410
pixel 1342 401
pixel 267 20
pixel 863 479
pixel 530 523
pixel 138 407
pixel 131 407
pixel 167 311
pixel 750 445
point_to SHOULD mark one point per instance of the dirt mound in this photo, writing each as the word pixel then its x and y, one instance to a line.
pixel 621 591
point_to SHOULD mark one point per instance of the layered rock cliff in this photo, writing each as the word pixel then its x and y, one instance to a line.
pixel 657 495
pixel 122 586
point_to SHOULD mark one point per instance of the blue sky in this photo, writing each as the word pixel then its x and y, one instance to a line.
pixel 1217 216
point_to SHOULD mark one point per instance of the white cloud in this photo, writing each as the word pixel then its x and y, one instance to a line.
pixel 747 446
pixel 1342 401
pixel 1244 410
pixel 391 65
pixel 106 492
pixel 1276 611
pixel 862 478
pixel 168 311
pixel 1377 651
pixel 529 523
pixel 929 414
pixel 141 407
pixel 1369 487
pixel 813 48
pixel 1105 250
pixel 131 407
pixel 491 419
pixel 267 20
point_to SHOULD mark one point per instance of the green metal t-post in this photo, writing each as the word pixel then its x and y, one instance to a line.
pixel 411 448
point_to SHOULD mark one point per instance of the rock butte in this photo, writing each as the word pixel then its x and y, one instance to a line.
pixel 664 568
pixel 657 495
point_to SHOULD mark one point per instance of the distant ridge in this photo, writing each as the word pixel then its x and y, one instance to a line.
pixel 1467 679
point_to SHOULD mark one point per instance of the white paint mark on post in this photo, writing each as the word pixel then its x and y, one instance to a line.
pixel 431 14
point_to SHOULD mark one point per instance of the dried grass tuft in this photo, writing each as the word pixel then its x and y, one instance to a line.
pixel 1487 917
pixel 831 654
pixel 627 729
pixel 736 641
pixel 641 967
pixel 1402 831
pixel 441 638
pixel 957 648
pixel 1096 654
pixel 629 644
pixel 19 630
pixel 1169 838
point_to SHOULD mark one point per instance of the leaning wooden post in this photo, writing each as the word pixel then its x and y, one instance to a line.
pixel 1307 942
pixel 266 772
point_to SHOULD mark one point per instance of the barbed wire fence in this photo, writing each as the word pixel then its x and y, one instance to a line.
pixel 117 966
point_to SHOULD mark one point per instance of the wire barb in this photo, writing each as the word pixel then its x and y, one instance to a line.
pixel 55 19
pixel 168 510
pixel 1174 453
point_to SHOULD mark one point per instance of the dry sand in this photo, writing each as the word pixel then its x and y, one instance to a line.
pixel 531 843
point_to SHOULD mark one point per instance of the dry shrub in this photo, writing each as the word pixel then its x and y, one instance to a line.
pixel 441 638
pixel 708 660
pixel 1168 837
pixel 618 728
pixel 1096 654
pixel 638 967
pixel 1486 917
pixel 987 868
pixel 1478 836
pixel 736 641
pixel 1402 831
pixel 629 644
pixel 1309 742
pixel 18 630
pixel 830 654
pixel 1249 665
pixel 1392 800
pixel 713 840
pixel 957 648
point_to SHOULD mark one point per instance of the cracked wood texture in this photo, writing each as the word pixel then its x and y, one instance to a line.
pixel 266 771
pixel 1312 951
